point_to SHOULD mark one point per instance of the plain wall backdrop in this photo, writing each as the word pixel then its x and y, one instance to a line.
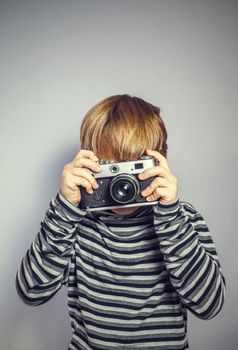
pixel 59 58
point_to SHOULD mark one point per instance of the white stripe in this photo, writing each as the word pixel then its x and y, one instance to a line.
pixel 138 344
pixel 123 309
pixel 118 255
pixel 211 298
pixel 135 332
pixel 113 265
pixel 125 299
pixel 194 280
pixel 122 288
pixel 29 278
pixel 114 276
pixel 129 322
pixel 43 264
pixel 33 295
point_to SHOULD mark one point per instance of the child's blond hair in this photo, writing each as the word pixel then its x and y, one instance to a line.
pixel 122 127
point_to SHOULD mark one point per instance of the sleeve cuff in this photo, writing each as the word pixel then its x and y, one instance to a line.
pixel 168 206
pixel 166 212
pixel 67 209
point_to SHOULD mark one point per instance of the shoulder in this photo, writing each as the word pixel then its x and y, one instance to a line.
pixel 191 212
pixel 188 207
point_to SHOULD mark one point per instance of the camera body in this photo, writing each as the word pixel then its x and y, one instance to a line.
pixel 119 186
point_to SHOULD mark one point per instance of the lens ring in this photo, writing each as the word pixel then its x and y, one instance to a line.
pixel 124 188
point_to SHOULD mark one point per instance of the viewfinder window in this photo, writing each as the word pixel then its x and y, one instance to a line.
pixel 139 166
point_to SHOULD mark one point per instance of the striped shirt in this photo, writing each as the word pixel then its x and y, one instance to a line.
pixel 130 279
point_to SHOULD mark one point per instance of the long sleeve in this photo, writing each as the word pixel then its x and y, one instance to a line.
pixel 190 257
pixel 45 267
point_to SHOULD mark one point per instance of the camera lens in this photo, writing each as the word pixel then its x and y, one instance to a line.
pixel 124 188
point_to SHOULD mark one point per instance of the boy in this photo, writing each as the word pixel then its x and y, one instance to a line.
pixel 131 273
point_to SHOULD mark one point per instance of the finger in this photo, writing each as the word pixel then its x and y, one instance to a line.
pixel 159 157
pixel 159 192
pixel 83 153
pixel 156 171
pixel 86 163
pixel 158 182
pixel 79 172
pixel 81 182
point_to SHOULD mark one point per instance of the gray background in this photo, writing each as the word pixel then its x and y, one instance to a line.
pixel 58 58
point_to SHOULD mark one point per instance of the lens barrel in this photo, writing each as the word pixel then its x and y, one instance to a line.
pixel 124 188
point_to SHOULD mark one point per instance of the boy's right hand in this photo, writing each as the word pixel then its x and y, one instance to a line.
pixel 77 173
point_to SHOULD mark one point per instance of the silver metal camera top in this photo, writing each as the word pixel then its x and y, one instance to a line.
pixel 133 167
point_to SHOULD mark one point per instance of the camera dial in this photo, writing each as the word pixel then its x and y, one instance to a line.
pixel 104 161
pixel 145 157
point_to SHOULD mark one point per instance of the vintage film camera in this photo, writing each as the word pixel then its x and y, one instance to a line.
pixel 119 186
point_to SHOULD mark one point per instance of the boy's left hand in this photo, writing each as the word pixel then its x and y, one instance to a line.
pixel 165 186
